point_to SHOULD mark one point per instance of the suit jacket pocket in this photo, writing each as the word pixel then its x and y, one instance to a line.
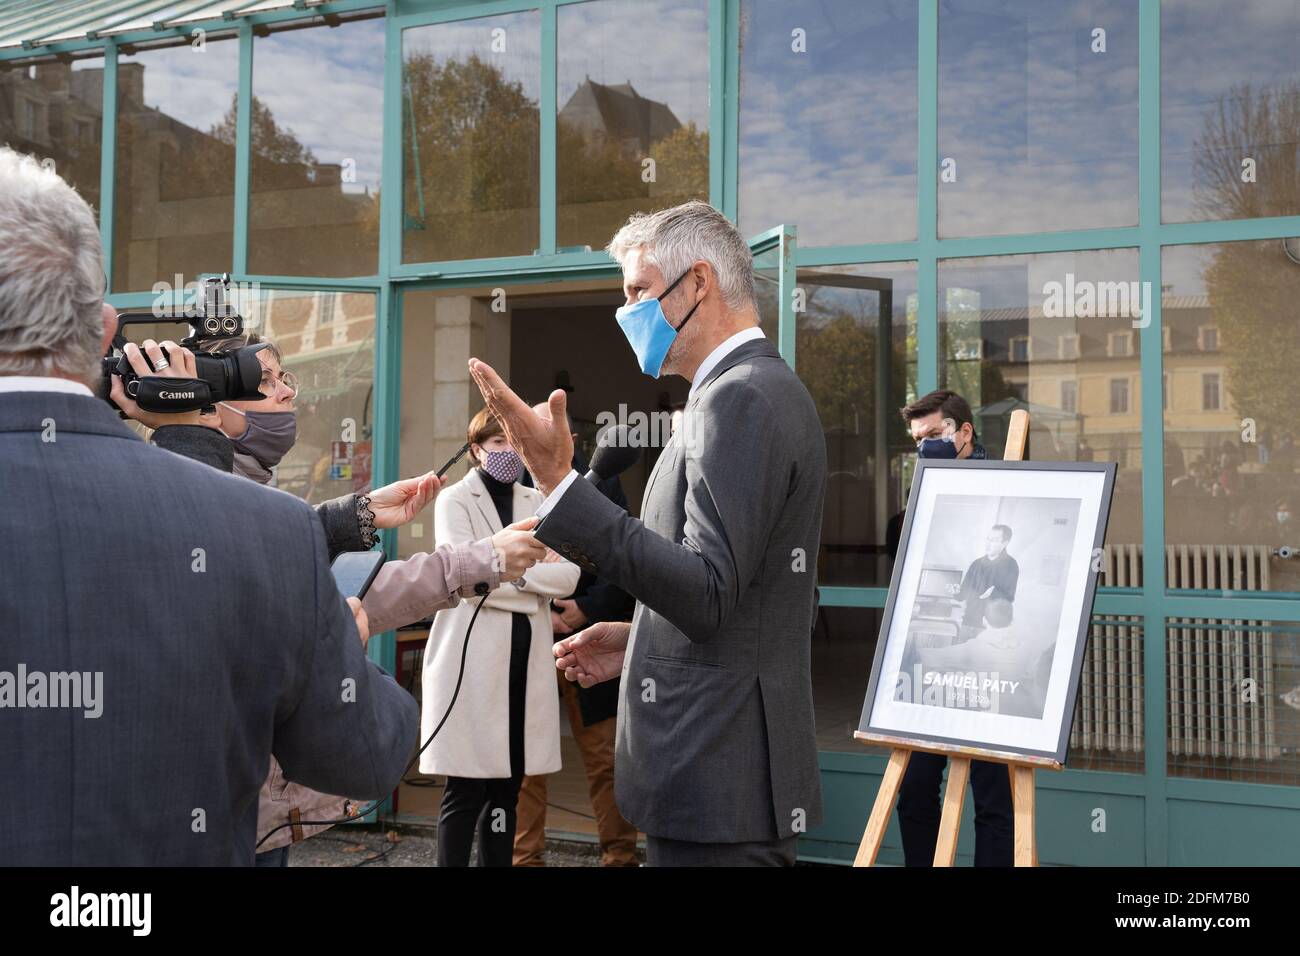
pixel 684 661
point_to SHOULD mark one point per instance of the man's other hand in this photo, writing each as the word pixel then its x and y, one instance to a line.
pixel 595 655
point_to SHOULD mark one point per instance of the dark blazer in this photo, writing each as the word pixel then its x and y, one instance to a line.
pixel 207 605
pixel 715 739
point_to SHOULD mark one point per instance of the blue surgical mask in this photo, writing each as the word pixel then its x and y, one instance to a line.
pixel 647 329
pixel 937 448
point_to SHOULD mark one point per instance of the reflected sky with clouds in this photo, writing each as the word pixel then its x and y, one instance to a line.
pixel 659 46
pixel 195 87
pixel 1206 48
pixel 326 86
pixel 828 137
pixel 1044 131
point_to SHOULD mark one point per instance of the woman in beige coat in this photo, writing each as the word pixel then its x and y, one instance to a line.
pixel 506 720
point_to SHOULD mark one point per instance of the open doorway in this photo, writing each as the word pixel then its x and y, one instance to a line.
pixel 538 338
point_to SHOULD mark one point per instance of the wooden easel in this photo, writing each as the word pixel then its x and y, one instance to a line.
pixel 1020 768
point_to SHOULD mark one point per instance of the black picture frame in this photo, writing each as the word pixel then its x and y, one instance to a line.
pixel 868 730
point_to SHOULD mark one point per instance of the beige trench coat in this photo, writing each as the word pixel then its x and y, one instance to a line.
pixel 475 741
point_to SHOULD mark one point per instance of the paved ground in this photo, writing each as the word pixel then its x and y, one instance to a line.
pixel 366 846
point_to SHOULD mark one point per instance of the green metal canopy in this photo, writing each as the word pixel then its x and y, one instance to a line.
pixel 35 25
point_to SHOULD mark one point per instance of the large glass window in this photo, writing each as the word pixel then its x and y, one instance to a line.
pixel 54 111
pixel 856 353
pixel 1232 466
pixel 1077 372
pixel 828 120
pixel 327 339
pixel 175 178
pixel 1229 109
pixel 471 129
pixel 317 136
pixel 1038 115
pixel 632 127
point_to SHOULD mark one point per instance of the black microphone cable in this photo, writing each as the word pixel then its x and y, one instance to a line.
pixel 464 650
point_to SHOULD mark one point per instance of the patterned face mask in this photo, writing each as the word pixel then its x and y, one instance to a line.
pixel 504 466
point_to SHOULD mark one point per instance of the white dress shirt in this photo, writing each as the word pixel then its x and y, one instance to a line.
pixel 42 383
pixel 708 365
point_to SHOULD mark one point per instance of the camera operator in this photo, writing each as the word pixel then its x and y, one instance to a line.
pixel 251 437
pixel 176 628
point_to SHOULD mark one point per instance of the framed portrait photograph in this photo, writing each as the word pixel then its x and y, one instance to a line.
pixel 989 607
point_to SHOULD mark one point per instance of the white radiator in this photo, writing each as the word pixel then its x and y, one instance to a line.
pixel 1211 713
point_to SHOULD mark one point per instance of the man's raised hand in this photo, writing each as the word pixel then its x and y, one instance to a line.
pixel 542 441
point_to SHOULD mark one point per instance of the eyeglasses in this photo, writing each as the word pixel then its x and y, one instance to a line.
pixel 270 380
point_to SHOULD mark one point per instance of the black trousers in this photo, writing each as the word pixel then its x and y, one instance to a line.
pixel 919 810
pixel 487 806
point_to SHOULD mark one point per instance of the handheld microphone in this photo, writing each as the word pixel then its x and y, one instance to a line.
pixel 614 455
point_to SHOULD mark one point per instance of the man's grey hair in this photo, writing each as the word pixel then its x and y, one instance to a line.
pixel 51 274
pixel 673 239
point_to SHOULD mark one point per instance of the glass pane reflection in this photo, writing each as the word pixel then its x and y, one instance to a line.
pixel 1038 117
pixel 175 180
pixel 1232 467
pixel 1055 334
pixel 827 122
pixel 317 136
pixel 632 128
pixel 1229 109
pixel 55 112
pixel 470 138
pixel 856 353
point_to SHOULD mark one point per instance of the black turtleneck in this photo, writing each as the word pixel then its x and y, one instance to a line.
pixel 503 496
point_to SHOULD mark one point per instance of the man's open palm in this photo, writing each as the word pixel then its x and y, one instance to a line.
pixel 542 441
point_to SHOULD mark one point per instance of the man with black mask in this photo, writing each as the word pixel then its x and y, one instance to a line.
pixel 942 426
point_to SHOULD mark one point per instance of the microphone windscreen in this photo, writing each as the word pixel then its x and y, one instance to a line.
pixel 614 454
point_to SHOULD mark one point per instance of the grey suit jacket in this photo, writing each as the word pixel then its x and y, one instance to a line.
pixel 206 607
pixel 715 739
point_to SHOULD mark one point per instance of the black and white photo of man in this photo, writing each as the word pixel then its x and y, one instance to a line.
pixel 991 577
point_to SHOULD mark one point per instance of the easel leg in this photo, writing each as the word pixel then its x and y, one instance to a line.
pixel 1022 799
pixel 954 794
pixel 884 806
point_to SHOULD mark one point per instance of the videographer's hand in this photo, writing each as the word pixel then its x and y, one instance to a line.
pixel 181 366
pixel 396 504
pixel 363 622
pixel 594 655
pixel 517 549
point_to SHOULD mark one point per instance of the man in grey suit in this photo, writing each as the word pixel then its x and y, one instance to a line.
pixel 164 628
pixel 716 759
